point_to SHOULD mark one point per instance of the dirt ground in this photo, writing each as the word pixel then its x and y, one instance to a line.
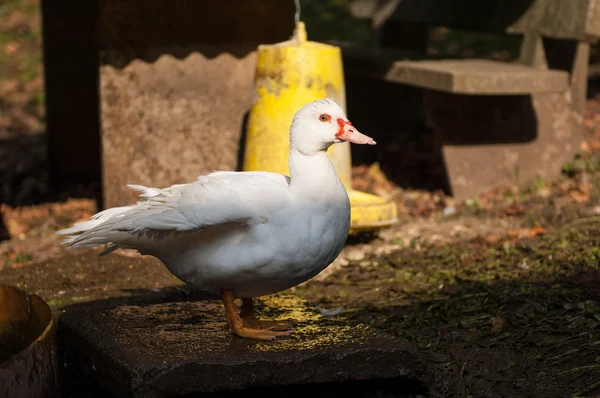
pixel 500 292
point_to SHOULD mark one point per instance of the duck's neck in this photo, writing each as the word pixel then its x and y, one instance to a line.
pixel 313 174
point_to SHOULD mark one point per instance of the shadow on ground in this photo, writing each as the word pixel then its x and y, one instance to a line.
pixel 505 339
pixel 502 320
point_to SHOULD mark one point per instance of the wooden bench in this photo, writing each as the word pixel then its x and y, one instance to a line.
pixel 498 122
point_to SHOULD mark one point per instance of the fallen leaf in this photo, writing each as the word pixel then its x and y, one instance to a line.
pixel 11 47
pixel 492 239
pixel 514 210
pixel 523 233
pixel 581 193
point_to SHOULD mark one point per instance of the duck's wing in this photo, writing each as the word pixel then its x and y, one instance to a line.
pixel 243 198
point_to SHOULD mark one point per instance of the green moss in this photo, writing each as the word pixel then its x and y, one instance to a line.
pixel 22 257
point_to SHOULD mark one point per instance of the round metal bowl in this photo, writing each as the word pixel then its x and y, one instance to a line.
pixel 28 362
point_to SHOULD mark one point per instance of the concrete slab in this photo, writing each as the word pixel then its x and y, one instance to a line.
pixel 478 77
pixel 183 348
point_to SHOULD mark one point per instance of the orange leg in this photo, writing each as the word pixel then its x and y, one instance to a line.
pixel 250 320
pixel 237 323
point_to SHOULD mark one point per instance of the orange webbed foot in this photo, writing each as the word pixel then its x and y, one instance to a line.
pixel 247 325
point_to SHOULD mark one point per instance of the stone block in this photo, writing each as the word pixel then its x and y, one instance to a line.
pixel 478 76
pixel 183 348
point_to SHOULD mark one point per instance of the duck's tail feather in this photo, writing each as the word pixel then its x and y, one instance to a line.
pixel 92 240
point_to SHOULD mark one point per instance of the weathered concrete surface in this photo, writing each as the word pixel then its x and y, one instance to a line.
pixel 489 141
pixel 176 348
pixel 176 83
pixel 169 121
pixel 478 76
pixel 561 19
pixel 122 35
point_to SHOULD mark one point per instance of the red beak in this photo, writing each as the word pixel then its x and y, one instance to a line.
pixel 348 132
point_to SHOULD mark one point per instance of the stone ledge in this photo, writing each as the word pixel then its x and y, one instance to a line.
pixel 478 77
pixel 177 348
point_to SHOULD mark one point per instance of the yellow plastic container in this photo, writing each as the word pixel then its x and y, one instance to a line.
pixel 288 76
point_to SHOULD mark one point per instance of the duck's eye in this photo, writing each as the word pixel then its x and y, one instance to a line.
pixel 324 117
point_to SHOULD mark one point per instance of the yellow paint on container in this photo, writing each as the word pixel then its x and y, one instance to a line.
pixel 288 76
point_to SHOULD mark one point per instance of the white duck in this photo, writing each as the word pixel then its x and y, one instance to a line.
pixel 243 234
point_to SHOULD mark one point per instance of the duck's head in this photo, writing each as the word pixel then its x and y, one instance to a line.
pixel 320 124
